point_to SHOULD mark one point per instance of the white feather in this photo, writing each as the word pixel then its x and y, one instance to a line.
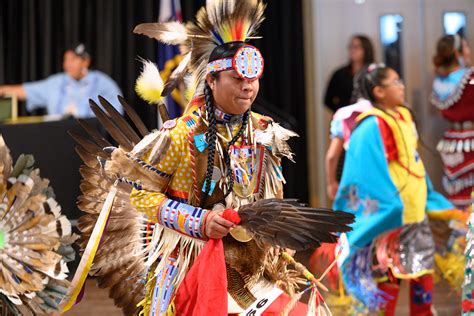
pixel 150 76
pixel 176 33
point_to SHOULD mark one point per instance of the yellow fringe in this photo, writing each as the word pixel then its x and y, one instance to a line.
pixel 449 215
pixel 451 267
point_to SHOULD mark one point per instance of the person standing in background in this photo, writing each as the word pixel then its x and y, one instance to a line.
pixel 68 93
pixel 453 95
pixel 339 91
pixel 343 121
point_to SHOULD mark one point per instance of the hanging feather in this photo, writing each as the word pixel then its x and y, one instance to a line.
pixel 149 85
pixel 177 75
pixel 35 239
pixel 317 305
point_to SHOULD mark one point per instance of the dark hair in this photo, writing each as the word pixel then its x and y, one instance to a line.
pixel 445 51
pixel 358 82
pixel 367 47
pixel 222 51
pixel 225 50
pixel 371 77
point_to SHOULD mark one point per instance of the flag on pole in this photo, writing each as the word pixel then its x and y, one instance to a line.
pixel 169 56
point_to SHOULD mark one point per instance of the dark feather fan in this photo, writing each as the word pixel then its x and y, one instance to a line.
pixel 290 224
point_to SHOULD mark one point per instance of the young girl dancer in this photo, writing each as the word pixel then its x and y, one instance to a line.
pixel 384 183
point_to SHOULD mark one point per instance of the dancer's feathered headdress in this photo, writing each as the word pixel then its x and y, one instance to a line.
pixel 218 23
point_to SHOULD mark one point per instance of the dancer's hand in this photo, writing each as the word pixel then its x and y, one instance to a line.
pixel 217 227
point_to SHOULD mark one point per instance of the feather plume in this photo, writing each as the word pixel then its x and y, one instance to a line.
pixel 88 145
pixel 149 85
pixel 121 165
pixel 275 136
pixel 146 144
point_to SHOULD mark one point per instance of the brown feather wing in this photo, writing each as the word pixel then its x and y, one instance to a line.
pixel 119 263
pixel 290 224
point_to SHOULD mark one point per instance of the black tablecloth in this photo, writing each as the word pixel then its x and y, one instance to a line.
pixel 54 154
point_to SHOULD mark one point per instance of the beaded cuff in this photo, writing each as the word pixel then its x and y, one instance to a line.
pixel 182 217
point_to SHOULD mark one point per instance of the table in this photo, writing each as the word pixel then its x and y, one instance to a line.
pixel 54 154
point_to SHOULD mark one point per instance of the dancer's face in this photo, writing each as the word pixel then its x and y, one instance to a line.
pixel 391 92
pixel 231 93
pixel 356 51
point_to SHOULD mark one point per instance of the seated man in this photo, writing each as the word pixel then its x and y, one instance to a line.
pixel 68 92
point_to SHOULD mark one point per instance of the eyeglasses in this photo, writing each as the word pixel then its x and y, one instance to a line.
pixel 397 82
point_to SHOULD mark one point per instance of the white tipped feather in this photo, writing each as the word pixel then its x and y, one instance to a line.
pixel 171 33
pixel 54 207
pixel 174 33
pixel 65 226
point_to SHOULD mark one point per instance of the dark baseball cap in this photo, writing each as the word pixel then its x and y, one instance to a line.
pixel 80 50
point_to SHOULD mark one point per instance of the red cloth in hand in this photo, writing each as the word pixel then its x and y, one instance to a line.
pixel 231 215
pixel 204 289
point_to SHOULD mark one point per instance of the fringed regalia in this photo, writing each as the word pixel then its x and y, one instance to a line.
pixel 385 184
pixel 453 95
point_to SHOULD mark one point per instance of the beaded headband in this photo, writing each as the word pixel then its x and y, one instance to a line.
pixel 247 62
